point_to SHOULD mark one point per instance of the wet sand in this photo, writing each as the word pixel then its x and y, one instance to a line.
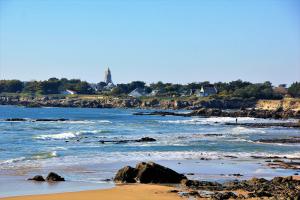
pixel 124 192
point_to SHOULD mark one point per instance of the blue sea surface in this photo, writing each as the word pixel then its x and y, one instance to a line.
pixel 203 146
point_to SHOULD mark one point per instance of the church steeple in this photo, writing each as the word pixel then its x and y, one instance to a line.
pixel 107 76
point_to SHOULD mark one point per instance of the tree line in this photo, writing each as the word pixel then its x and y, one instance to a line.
pixel 238 88
pixel 50 86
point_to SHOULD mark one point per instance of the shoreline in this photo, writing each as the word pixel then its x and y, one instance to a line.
pixel 137 191
pixel 225 171
pixel 124 191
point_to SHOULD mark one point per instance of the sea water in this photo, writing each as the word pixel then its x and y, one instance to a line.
pixel 205 147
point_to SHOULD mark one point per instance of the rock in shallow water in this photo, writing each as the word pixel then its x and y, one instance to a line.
pixel 54 177
pixel 149 172
pixel 37 178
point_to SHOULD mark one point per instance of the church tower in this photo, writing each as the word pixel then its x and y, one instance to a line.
pixel 107 76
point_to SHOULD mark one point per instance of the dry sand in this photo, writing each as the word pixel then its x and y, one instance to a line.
pixel 122 192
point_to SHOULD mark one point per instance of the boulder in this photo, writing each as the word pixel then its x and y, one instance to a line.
pixel 126 175
pixel 149 172
pixel 224 195
pixel 37 178
pixel 54 177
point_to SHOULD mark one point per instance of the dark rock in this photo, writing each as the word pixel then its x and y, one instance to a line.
pixel 37 178
pixel 238 175
pixel 213 134
pixel 194 193
pixel 228 156
pixel 190 174
pixel 54 177
pixel 282 140
pixel 277 188
pixel 15 120
pixel 126 175
pixel 224 195
pixel 262 193
pixel 149 172
pixel 107 180
pixel 206 185
pixel 173 191
pixel 146 139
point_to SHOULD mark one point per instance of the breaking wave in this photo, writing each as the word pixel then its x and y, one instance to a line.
pixel 67 135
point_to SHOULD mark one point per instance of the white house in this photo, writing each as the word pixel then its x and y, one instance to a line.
pixel 206 90
pixel 138 92
pixel 66 92
pixel 154 93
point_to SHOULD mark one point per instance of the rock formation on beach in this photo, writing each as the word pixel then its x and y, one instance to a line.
pixel 277 188
pixel 149 172
pixel 52 177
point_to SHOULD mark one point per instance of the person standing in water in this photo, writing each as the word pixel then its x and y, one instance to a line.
pixel 236 120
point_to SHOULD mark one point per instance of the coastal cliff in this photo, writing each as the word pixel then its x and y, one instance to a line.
pixel 285 108
pixel 284 104
pixel 118 102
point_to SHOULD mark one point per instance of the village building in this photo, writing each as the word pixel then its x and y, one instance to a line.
pixel 67 92
pixel 108 83
pixel 138 92
pixel 206 90
pixel 154 93
pixel 107 76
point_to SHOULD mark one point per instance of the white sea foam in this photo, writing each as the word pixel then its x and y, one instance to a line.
pixel 137 156
pixel 67 135
pixel 44 155
pixel 88 121
pixel 156 156
pixel 13 160
pixel 222 120
pixel 244 130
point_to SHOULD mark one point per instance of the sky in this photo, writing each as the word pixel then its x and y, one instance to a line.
pixel 151 40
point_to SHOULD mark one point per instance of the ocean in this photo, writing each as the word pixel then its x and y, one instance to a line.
pixel 204 147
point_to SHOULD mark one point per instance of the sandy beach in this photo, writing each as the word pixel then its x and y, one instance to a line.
pixel 125 192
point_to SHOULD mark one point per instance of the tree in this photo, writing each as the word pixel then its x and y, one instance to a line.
pixel 12 86
pixel 136 84
pixel 294 89
pixel 257 91
pixel 51 86
pixel 84 88
pixel 32 87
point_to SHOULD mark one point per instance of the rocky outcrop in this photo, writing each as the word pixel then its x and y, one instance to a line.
pixel 286 108
pixel 277 188
pixel 35 120
pixel 281 140
pixel 115 102
pixel 148 172
pixel 210 112
pixel 144 139
pixel 285 104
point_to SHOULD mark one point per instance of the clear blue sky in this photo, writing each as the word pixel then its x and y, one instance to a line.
pixel 151 40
